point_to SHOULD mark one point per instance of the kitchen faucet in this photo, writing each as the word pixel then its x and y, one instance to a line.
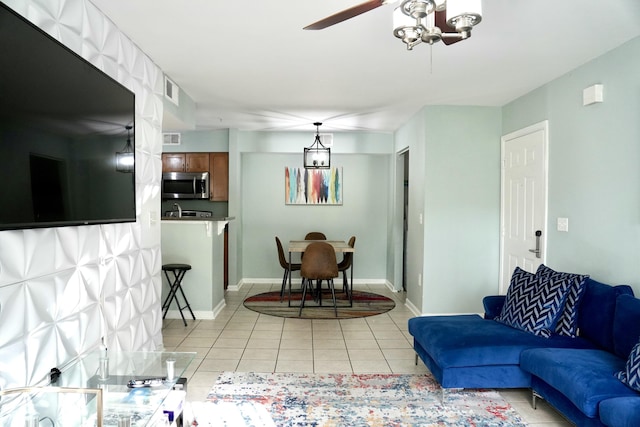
pixel 177 206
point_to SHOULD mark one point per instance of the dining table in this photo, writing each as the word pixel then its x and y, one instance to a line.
pixel 340 246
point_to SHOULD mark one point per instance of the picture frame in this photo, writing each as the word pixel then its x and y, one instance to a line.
pixel 313 186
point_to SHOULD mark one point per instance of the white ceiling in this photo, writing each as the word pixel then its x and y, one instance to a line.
pixel 249 65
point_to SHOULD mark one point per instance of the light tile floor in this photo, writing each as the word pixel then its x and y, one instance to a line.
pixel 245 341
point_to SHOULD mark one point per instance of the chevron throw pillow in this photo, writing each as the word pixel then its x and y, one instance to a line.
pixel 533 303
pixel 631 373
pixel 568 321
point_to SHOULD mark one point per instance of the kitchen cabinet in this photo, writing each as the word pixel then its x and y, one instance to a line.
pixel 173 162
pixel 218 177
pixel 185 162
pixel 217 164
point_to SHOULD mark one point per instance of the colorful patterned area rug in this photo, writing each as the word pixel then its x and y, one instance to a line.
pixel 354 400
pixel 364 304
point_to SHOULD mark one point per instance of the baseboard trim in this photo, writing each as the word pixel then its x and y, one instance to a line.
pixel 217 309
pixel 200 314
pixel 412 308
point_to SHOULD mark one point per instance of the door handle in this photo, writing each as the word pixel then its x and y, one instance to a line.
pixel 537 249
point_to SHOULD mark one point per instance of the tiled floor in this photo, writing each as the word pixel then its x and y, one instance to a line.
pixel 243 340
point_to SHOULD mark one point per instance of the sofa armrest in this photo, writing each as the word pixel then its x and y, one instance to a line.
pixel 620 411
pixel 493 305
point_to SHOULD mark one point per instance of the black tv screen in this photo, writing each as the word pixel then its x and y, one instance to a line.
pixel 61 123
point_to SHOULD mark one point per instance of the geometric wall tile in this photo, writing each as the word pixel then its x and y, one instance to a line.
pixel 63 289
pixel 11 258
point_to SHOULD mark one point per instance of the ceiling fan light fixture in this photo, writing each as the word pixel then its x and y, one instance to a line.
pixel 406 28
pixel 431 33
pixel 464 14
pixel 429 21
pixel 418 9
pixel 420 21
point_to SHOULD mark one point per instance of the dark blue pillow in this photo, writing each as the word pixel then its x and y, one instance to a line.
pixel 568 321
pixel 597 309
pixel 533 303
pixel 626 325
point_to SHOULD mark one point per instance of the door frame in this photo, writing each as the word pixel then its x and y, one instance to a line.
pixel 540 126
pixel 400 255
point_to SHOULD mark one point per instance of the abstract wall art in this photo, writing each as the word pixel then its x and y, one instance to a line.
pixel 313 186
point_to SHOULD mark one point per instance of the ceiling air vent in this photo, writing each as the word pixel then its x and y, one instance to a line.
pixel 171 90
pixel 170 138
pixel 326 139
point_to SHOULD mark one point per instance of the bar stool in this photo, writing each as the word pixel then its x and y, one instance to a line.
pixel 175 285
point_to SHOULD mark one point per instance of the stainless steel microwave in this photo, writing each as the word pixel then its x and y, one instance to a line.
pixel 185 185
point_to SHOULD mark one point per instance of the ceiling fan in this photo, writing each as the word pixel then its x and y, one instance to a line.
pixel 419 21
pixel 346 14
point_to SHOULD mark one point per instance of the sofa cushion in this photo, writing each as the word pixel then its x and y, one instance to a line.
pixel 585 377
pixel 534 302
pixel 470 340
pixel 630 375
pixel 626 324
pixel 620 411
pixel 568 320
pixel 596 313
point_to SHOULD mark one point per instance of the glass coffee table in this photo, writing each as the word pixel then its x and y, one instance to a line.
pixel 126 389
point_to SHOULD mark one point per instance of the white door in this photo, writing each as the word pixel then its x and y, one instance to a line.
pixel 523 201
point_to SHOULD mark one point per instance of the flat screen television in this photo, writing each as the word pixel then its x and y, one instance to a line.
pixel 61 123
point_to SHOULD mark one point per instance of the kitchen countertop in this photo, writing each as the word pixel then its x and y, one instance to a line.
pixel 197 218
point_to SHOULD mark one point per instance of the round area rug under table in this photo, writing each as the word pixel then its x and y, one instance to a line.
pixel 364 304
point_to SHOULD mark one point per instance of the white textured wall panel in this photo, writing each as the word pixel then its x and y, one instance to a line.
pixel 62 289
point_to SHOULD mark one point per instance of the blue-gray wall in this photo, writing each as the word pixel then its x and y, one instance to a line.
pixel 454 185
pixel 363 212
pixel 258 160
pixel 594 172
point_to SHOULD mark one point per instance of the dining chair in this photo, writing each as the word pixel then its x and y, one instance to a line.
pixel 285 265
pixel 319 263
pixel 345 264
pixel 315 235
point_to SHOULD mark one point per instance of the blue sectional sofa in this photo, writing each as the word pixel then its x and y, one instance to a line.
pixel 576 374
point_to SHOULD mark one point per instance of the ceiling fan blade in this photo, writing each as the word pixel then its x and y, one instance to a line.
pixel 441 22
pixel 345 14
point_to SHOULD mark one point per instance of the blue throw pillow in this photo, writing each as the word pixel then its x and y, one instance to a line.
pixel 533 303
pixel 568 321
pixel 631 373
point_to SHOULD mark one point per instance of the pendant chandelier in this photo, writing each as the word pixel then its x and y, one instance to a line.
pixel 125 161
pixel 429 21
pixel 317 156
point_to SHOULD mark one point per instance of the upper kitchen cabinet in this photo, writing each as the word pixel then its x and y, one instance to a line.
pixel 185 162
pixel 219 177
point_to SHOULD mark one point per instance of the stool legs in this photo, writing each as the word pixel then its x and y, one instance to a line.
pixel 174 287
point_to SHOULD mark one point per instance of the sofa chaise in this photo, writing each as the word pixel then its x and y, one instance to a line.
pixel 575 365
